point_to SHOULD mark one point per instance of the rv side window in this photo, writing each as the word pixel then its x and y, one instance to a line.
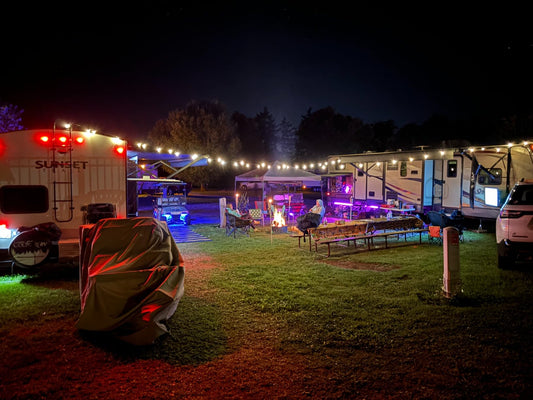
pixel 23 199
pixel 452 168
pixel 493 177
pixel 403 168
pixel 392 166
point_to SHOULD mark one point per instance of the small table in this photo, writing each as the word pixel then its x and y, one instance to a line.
pixel 400 210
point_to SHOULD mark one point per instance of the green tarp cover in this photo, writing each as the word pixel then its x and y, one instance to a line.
pixel 131 278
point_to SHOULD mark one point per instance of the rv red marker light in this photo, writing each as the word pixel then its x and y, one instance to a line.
pixel 120 150
pixel 44 138
pixel 80 139
pixel 62 139
pixel 5 232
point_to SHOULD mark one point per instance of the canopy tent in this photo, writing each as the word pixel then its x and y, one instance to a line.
pixel 276 174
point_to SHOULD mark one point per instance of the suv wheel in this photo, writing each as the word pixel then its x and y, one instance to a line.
pixel 505 262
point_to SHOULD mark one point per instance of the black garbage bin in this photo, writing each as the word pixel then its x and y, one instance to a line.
pixel 98 211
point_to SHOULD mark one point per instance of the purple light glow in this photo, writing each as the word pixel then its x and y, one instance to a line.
pixel 339 203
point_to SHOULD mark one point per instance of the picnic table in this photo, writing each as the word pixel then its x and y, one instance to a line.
pixel 364 230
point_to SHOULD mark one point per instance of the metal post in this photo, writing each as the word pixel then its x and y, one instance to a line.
pixel 451 276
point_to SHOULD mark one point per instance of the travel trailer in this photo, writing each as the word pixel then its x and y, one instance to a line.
pixel 52 182
pixel 475 181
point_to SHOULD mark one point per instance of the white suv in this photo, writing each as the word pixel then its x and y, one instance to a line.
pixel 514 226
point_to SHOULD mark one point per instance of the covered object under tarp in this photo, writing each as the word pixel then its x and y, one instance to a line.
pixel 131 278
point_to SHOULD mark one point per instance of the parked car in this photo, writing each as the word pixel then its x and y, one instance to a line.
pixel 514 226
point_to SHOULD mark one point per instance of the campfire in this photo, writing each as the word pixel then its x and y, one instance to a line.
pixel 278 222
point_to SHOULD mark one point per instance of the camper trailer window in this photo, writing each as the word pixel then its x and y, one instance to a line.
pixel 492 177
pixel 403 168
pixel 23 199
pixel 452 168
pixel 392 166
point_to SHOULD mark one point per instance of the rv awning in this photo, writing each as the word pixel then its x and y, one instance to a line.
pixel 433 154
pixel 152 161
pixel 176 161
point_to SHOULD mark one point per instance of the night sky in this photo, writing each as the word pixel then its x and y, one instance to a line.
pixel 121 69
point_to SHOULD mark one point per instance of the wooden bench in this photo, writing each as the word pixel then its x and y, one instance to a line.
pixel 385 235
pixel 298 235
pixel 331 233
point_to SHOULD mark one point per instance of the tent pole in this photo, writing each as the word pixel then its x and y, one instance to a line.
pixel 263 194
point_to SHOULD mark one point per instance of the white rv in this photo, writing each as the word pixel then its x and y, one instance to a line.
pixel 475 181
pixel 51 183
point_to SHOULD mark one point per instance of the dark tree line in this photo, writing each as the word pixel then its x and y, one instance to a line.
pixel 321 133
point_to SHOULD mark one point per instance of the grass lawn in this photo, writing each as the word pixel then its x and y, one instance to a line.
pixel 361 324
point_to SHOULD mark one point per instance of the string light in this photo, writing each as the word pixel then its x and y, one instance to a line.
pixel 336 162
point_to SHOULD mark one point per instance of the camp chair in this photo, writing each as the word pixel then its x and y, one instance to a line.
pixel 260 205
pixel 435 234
pixel 257 215
pixel 442 220
pixel 236 224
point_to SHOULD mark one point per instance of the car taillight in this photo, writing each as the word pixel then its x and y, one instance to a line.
pixel 510 214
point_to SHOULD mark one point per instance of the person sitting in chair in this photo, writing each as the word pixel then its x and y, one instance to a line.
pixel 313 218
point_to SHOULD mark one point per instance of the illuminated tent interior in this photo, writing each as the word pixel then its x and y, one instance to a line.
pixel 277 178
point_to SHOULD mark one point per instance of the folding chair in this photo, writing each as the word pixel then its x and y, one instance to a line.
pixel 442 220
pixel 257 215
pixel 260 205
pixel 236 224
pixel 434 234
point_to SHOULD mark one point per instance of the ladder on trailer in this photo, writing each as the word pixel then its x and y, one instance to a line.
pixel 62 185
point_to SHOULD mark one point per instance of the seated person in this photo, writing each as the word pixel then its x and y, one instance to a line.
pixel 313 218
pixel 231 211
pixel 240 218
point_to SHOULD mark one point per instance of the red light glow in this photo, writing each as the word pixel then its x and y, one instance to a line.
pixel 120 150
pixel 80 139
pixel 63 139
pixel 42 138
pixel 148 310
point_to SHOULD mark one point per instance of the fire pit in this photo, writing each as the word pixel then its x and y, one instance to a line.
pixel 279 229
pixel 278 222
